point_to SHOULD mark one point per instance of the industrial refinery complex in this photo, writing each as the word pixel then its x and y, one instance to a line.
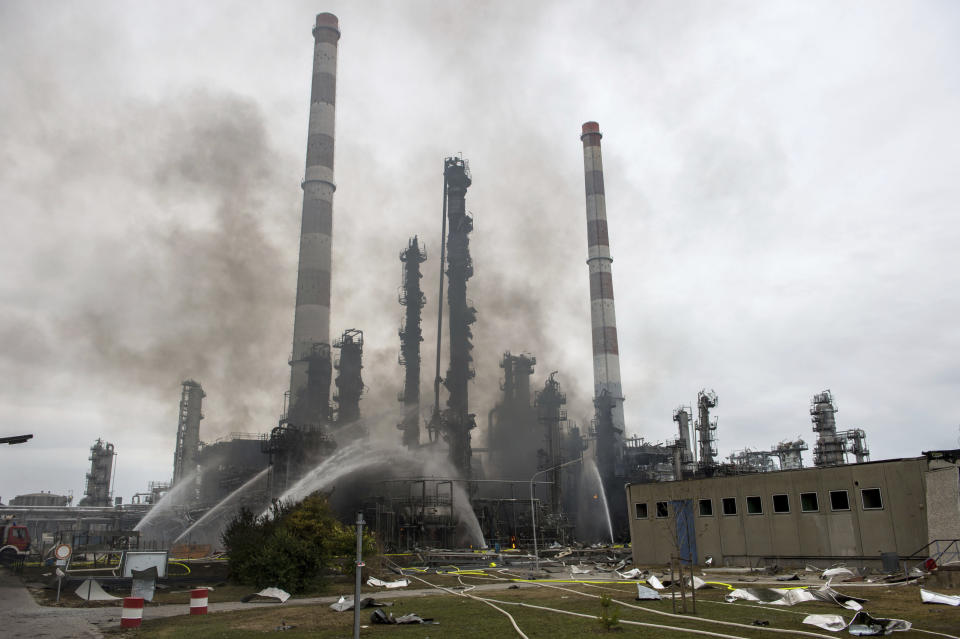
pixel 540 479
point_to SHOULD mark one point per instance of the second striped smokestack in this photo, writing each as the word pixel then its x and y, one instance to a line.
pixel 608 393
pixel 311 324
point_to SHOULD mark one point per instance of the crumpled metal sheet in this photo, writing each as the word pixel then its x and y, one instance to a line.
pixel 653 581
pixel 836 572
pixel 792 596
pixel 833 623
pixel 644 593
pixel 276 593
pixel 863 625
pixel 400 583
pixel 343 604
pixel 90 590
pixel 928 596
pixel 633 573
pixel 380 617
pixel 144 583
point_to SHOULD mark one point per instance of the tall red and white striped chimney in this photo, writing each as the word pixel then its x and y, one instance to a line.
pixel 603 319
pixel 311 324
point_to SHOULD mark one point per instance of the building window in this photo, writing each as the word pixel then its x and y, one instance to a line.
pixel 809 503
pixel 662 509
pixel 838 500
pixel 781 503
pixel 641 510
pixel 706 508
pixel 871 499
pixel 754 506
pixel 729 505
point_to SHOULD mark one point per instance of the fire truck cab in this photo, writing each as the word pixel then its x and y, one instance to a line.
pixel 14 541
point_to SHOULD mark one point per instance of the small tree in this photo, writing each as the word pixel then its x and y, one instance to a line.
pixel 609 614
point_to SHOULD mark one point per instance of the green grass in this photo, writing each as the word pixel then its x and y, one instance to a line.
pixel 466 618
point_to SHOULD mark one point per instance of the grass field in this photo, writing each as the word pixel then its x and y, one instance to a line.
pixel 464 617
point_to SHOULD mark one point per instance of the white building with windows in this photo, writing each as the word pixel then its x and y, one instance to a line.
pixel 852 513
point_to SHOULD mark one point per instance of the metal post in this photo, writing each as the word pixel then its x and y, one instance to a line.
pixel 533 521
pixel 533 508
pixel 356 590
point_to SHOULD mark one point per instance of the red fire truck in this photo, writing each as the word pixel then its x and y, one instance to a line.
pixel 14 541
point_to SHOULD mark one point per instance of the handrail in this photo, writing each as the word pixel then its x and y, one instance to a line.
pixel 951 543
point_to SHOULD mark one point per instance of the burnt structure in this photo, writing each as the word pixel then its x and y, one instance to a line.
pixel 100 478
pixel 550 412
pixel 188 430
pixel 512 432
pixel 411 297
pixel 349 379
pixel 457 419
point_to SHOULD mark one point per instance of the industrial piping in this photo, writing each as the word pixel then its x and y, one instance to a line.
pixel 606 355
pixel 311 325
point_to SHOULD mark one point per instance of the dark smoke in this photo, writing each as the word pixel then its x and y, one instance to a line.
pixel 191 285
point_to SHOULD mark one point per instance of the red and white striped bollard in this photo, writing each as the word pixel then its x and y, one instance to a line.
pixel 132 613
pixel 198 601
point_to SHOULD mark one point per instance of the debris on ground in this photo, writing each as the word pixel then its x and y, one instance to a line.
pixel 380 617
pixel 400 583
pixel 863 625
pixel 267 595
pixel 343 604
pixel 761 622
pixel 698 583
pixel 91 590
pixel 144 583
pixel 653 581
pixel 644 593
pixel 633 573
pixel 835 572
pixel 789 597
pixel 284 626
pixel 791 577
pixel 833 623
pixel 928 596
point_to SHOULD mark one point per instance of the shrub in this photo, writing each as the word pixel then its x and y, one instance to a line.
pixel 291 548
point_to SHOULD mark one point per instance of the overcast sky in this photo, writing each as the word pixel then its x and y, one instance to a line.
pixel 781 182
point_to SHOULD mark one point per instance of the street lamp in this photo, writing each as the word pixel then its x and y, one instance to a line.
pixel 533 509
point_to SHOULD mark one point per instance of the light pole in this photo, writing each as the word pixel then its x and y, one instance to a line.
pixel 356 591
pixel 533 509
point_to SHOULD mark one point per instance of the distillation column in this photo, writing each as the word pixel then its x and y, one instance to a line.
pixel 188 431
pixel 549 403
pixel 100 478
pixel 706 428
pixel 412 298
pixel 458 421
pixel 606 356
pixel 311 325
pixel 830 450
